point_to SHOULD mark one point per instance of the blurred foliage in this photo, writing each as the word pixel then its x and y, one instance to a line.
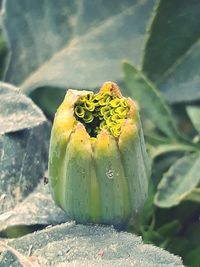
pixel 3 54
pixel 168 70
pixel 175 155
pixel 48 99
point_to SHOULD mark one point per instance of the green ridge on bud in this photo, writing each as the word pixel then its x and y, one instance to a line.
pixel 98 166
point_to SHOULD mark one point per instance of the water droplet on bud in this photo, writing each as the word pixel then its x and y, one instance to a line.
pixel 109 173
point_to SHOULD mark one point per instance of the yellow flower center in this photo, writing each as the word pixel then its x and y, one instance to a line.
pixel 104 110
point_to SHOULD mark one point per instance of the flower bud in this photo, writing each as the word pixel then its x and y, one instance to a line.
pixel 98 166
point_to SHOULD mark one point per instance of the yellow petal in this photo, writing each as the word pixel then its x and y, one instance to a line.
pixel 112 88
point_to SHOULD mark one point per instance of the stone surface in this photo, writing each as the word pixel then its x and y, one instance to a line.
pixel 38 208
pixel 24 140
pixel 87 245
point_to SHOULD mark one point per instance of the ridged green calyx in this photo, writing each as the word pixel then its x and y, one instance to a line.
pixel 98 166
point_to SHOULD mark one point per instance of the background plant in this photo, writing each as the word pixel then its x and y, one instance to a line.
pixel 80 44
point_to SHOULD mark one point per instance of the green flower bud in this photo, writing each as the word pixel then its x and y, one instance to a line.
pixel 98 166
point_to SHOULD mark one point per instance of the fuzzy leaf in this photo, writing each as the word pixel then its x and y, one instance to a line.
pixel 159 150
pixel 172 52
pixel 182 177
pixel 193 195
pixel 151 103
pixel 194 114
pixel 83 39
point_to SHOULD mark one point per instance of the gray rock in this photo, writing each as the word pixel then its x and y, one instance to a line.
pixel 24 139
pixel 9 259
pixel 38 208
pixel 88 245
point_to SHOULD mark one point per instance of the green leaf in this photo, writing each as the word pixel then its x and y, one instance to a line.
pixel 193 257
pixel 181 178
pixel 193 195
pixel 24 139
pixel 3 53
pixel 78 43
pixel 153 237
pixel 168 148
pixel 172 52
pixel 194 114
pixel 84 245
pixel 151 103
pixel 17 231
pixel 161 164
pixel 179 246
pixel 193 232
pixel 147 212
pixel 169 229
pixel 48 99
